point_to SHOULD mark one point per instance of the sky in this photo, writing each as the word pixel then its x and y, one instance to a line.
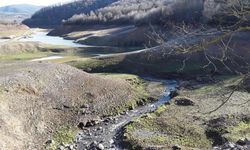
pixel 33 2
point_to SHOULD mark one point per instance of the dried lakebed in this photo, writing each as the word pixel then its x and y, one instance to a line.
pixel 107 133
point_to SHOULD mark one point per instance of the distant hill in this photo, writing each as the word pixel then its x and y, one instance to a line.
pixel 54 15
pixel 12 17
pixel 142 12
pixel 20 9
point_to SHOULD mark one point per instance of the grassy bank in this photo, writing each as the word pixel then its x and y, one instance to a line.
pixel 192 126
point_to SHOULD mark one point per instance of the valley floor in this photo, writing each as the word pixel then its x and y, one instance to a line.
pixel 47 101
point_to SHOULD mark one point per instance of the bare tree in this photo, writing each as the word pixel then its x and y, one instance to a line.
pixel 225 56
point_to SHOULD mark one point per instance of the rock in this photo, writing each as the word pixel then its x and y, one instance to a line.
pixel 173 94
pixel 176 147
pixel 71 147
pixel 241 142
pixel 89 134
pixel 100 147
pixel 93 145
pixel 99 128
pixel 247 140
pixel 61 147
pixel 228 145
pixel 92 123
pixel 124 113
pixel 184 102
pixel 111 142
pixel 81 125
pixel 49 142
pixel 85 106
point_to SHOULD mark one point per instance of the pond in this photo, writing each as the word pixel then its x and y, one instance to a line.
pixel 54 40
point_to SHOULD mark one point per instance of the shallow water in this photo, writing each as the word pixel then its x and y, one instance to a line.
pixel 113 130
pixel 3 40
pixel 54 40
pixel 48 58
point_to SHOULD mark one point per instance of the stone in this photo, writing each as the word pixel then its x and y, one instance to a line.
pixel 241 142
pixel 85 106
pixel 81 125
pixel 184 102
pixel 93 145
pixel 111 141
pixel 99 128
pixel 173 94
pixel 61 147
pixel 176 147
pixel 92 123
pixel 247 140
pixel 100 146
pixel 71 147
pixel 49 142
pixel 228 145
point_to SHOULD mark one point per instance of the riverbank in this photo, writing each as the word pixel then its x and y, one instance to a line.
pixel 105 133
pixel 194 119
pixel 129 119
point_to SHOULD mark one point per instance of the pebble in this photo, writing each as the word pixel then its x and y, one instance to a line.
pixel 71 147
pixel 228 145
pixel 111 141
pixel 85 106
pixel 100 147
pixel 99 128
pixel 176 147
pixel 49 142
pixel 61 147
pixel 241 142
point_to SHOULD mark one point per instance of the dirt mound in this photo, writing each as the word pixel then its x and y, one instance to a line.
pixel 19 47
pixel 36 99
pixel 9 26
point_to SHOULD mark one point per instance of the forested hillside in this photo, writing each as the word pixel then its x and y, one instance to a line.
pixel 54 15
pixel 141 12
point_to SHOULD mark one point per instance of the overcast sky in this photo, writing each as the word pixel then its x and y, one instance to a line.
pixel 34 2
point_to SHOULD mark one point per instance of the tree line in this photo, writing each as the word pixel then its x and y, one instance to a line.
pixel 142 12
pixel 54 15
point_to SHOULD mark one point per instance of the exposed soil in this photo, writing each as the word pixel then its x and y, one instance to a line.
pixel 39 98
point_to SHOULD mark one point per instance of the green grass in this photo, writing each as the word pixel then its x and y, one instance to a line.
pixel 170 131
pixel 63 136
pixel 139 88
pixel 160 110
pixel 241 130
pixel 225 82
pixel 24 56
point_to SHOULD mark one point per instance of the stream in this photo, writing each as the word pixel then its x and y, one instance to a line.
pixel 107 134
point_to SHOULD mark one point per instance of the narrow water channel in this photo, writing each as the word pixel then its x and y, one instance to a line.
pixel 108 132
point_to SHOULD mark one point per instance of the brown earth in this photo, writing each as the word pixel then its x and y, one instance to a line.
pixel 12 30
pixel 183 56
pixel 119 36
pixel 37 99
